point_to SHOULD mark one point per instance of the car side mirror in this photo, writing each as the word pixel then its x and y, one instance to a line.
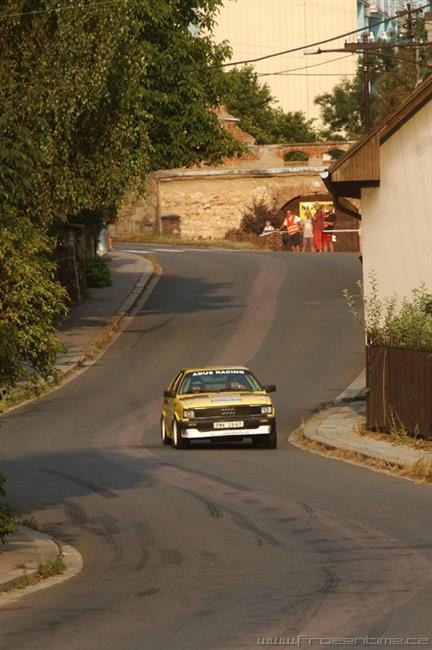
pixel 169 393
pixel 269 388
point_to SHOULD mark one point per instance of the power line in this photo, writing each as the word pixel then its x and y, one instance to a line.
pixel 58 9
pixel 327 40
pixel 304 67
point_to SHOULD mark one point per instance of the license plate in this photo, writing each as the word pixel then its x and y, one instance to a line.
pixel 228 425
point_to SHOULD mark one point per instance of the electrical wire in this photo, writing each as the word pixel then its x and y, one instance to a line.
pixel 59 9
pixel 304 67
pixel 327 40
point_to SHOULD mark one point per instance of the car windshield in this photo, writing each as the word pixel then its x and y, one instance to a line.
pixel 218 381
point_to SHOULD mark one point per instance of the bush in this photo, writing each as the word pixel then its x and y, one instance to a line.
pixel 98 272
pixel 254 218
pixel 296 156
pixel 335 154
pixel 7 520
pixel 408 325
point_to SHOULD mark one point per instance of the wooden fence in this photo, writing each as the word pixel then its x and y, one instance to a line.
pixel 399 386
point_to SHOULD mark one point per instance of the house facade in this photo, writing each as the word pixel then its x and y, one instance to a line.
pixel 390 170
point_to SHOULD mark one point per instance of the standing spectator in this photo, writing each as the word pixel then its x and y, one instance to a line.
pixel 329 224
pixel 292 224
pixel 307 233
pixel 318 226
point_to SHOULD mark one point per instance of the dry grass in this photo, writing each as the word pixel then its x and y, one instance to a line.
pixel 398 436
pixel 198 243
pixel 421 471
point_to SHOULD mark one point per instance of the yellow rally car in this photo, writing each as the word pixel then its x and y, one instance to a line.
pixel 223 403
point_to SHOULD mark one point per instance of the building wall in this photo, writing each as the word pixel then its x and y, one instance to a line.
pixel 209 207
pixel 180 193
pixel 397 216
pixel 256 27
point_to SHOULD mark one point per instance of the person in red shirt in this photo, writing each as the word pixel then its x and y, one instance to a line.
pixel 329 224
pixel 318 226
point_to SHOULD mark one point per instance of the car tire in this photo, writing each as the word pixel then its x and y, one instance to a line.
pixel 271 440
pixel 177 441
pixel 164 436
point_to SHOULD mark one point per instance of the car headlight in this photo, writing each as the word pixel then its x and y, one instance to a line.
pixel 266 410
pixel 188 414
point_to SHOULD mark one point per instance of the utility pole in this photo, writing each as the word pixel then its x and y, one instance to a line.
pixel 368 49
pixel 366 82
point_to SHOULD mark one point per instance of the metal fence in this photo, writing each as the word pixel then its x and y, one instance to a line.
pixel 399 386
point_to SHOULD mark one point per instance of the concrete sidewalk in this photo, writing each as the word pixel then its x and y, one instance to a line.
pixel 101 313
pixel 87 328
pixel 337 427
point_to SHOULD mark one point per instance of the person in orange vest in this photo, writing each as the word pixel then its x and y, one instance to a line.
pixel 292 224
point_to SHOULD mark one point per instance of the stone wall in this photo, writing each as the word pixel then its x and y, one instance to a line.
pixel 211 201
pixel 211 206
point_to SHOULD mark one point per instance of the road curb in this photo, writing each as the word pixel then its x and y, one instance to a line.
pixel 332 430
pixel 43 548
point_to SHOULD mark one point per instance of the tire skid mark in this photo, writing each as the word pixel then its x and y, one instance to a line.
pixel 76 514
pixel 109 523
pixel 151 591
pixel 248 525
pixel 144 535
pixel 213 510
pixel 106 528
pixel 207 475
pixel 170 556
pixel 88 485
pixel 349 586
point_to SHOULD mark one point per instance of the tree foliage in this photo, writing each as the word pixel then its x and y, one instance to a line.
pixel 93 95
pixel 252 102
pixel 393 323
pixel 395 72
pixel 7 520
pixel 341 110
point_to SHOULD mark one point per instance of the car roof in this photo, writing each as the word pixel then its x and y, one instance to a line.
pixel 203 368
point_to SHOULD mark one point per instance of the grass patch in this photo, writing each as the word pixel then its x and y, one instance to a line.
pixel 421 471
pixel 178 241
pixel 45 570
pixel 398 436
pixel 51 568
pixel 29 521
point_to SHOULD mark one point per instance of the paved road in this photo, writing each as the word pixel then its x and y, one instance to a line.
pixel 214 547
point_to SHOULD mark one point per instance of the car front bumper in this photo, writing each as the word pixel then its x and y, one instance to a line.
pixel 195 430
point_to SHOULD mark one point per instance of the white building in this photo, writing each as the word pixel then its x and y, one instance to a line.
pixel 390 170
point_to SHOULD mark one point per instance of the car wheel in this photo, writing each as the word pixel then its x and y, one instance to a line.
pixel 165 439
pixel 271 439
pixel 177 441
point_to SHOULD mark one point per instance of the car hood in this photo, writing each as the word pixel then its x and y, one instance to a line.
pixel 224 399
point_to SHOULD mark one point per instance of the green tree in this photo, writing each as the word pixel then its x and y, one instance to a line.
pixel 182 85
pixel 252 102
pixel 341 110
pixel 93 95
pixel 7 520
pixel 395 72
